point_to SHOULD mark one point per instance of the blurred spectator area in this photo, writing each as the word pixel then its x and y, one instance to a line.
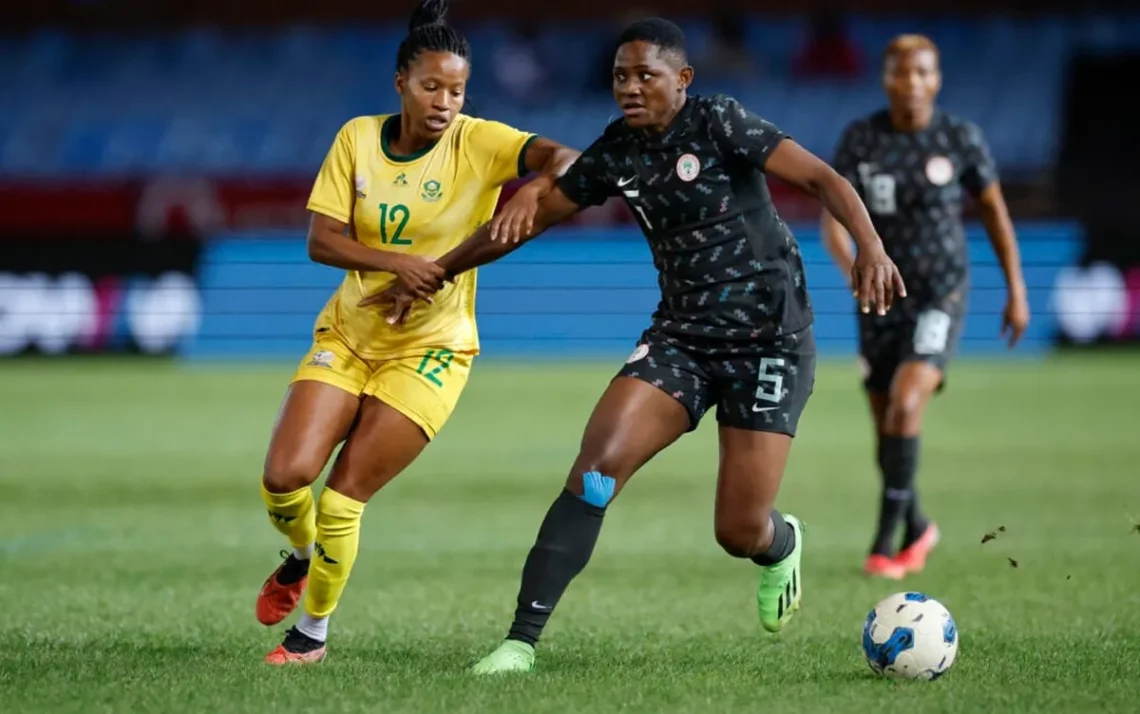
pixel 208 101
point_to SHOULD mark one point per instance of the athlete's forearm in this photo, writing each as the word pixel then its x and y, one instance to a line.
pixel 844 204
pixel 337 250
pixel 837 242
pixel 549 160
pixel 477 250
pixel 1003 238
pixel 480 249
pixel 330 244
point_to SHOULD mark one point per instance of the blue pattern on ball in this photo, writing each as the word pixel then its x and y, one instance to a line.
pixel 884 655
pixel 870 649
pixel 916 597
pixel 949 631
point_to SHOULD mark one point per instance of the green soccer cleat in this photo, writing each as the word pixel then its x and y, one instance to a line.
pixel 510 657
pixel 778 596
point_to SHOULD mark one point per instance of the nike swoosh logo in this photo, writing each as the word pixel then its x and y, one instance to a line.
pixel 626 182
pixel 758 408
pixel 536 605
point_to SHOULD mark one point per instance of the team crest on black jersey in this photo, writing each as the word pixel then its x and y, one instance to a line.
pixel 688 167
pixel 431 192
pixel 939 170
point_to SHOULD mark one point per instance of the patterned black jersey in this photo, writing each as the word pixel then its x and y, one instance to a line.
pixel 728 267
pixel 912 185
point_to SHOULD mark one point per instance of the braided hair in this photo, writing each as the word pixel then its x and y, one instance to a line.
pixel 428 31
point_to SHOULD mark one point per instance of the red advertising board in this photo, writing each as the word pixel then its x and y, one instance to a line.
pixel 202 206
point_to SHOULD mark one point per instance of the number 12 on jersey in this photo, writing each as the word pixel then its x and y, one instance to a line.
pixel 393 220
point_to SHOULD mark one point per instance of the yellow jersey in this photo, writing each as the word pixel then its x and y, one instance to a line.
pixel 424 204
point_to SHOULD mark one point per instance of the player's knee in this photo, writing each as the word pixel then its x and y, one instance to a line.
pixel 742 535
pixel 593 487
pixel 287 475
pixel 904 413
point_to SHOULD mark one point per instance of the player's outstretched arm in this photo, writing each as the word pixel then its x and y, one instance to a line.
pixel 874 277
pixel 329 244
pixel 837 241
pixel 481 248
pixel 549 160
pixel 478 249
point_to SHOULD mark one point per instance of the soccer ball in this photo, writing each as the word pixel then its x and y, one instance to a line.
pixel 910 636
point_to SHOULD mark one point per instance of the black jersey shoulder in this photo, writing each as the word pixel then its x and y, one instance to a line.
pixel 879 122
pixel 962 130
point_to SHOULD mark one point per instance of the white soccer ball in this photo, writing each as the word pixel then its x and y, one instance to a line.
pixel 910 636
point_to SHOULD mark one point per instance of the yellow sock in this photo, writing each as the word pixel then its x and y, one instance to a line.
pixel 338 539
pixel 293 514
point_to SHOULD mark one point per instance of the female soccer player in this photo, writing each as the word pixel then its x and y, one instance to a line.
pixel 910 163
pixel 733 327
pixel 393 189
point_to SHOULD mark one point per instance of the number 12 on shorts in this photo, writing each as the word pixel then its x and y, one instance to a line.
pixel 442 359
pixel 770 384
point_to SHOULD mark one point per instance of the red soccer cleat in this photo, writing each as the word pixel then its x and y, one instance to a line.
pixel 883 566
pixel 282 590
pixel 298 648
pixel 913 558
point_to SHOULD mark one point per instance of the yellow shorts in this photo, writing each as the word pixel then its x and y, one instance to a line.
pixel 424 387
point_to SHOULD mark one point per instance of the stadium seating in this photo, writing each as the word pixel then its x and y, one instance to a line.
pixel 216 102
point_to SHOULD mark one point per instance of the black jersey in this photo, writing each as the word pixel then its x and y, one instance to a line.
pixel 911 183
pixel 728 267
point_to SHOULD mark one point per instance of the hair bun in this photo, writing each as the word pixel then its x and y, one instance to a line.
pixel 427 13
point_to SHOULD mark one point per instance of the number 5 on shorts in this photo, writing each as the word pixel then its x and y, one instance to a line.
pixel 770 387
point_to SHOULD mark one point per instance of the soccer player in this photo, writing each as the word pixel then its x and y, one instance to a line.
pixel 733 328
pixel 393 191
pixel 911 163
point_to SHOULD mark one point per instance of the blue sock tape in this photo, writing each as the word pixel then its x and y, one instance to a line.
pixel 597 490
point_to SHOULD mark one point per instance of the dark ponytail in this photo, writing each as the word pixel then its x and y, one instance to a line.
pixel 428 31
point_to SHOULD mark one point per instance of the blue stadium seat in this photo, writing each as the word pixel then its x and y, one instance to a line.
pixel 204 99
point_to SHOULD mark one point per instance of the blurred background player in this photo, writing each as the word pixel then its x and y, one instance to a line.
pixel 911 163
pixel 733 328
pixel 393 189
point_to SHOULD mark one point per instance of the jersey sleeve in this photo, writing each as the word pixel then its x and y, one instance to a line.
pixel 501 149
pixel 334 192
pixel 742 134
pixel 586 182
pixel 980 170
pixel 846 161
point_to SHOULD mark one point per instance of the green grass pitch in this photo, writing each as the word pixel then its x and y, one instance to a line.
pixel 133 542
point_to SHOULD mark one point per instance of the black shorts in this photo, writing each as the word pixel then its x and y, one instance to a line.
pixel 762 386
pixel 924 334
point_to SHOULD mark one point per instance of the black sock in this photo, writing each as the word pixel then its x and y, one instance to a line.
pixel 916 522
pixel 898 461
pixel 783 542
pixel 563 547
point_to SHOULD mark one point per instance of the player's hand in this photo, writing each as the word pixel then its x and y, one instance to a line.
pixel 1015 318
pixel 423 277
pixel 516 220
pixel 875 280
pixel 397 298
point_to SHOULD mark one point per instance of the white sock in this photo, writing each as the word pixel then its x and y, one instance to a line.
pixel 315 627
pixel 305 553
